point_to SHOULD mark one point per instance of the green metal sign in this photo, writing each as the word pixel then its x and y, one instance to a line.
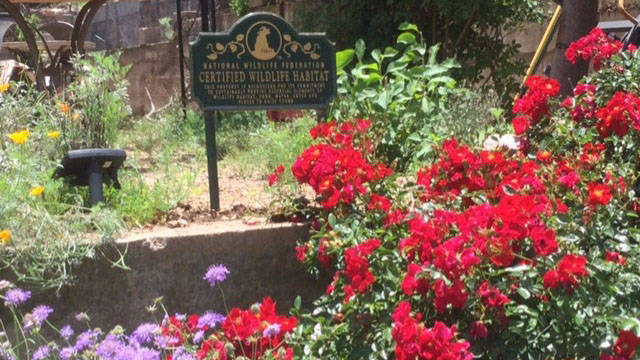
pixel 262 63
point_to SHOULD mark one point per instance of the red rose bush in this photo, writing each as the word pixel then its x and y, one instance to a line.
pixel 520 251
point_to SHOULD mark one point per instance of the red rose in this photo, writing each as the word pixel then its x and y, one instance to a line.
pixel 626 344
pixel 479 330
pixel 599 194
pixel 520 124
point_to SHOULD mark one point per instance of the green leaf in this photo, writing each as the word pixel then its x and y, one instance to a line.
pixel 332 220
pixel 496 113
pixel 524 293
pixel 408 27
pixel 344 58
pixel 407 38
pixel 297 302
pixel 377 56
pixel 360 47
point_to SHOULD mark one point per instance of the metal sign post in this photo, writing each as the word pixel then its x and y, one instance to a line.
pixel 262 63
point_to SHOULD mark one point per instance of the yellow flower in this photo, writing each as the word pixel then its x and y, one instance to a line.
pixel 37 191
pixel 53 134
pixel 4 88
pixel 5 237
pixel 76 116
pixel 19 137
pixel 63 107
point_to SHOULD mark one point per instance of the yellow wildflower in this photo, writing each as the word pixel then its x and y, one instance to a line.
pixel 5 237
pixel 65 108
pixel 19 137
pixel 37 191
pixel 53 134
pixel 4 88
pixel 76 116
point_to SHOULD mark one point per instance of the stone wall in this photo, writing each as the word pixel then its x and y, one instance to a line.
pixel 171 264
pixel 154 67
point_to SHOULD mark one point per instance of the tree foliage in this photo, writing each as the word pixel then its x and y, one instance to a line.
pixel 472 31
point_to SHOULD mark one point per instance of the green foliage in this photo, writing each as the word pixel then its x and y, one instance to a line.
pixel 93 106
pixel 261 148
pixel 167 27
pixel 471 31
pixel 401 91
pixel 239 7
pixel 52 232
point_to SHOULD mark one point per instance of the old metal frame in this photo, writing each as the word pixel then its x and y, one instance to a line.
pixel 34 53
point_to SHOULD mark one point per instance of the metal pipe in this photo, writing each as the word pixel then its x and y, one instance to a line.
pixel 95 182
pixel 626 14
pixel 204 15
pixel 183 90
pixel 544 43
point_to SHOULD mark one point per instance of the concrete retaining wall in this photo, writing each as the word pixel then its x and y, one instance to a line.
pixel 154 67
pixel 171 265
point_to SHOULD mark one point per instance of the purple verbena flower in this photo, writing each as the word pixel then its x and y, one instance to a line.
pixel 109 347
pixel 86 339
pixel 143 334
pixel 16 296
pixel 67 353
pixel 198 337
pixel 37 317
pixel 216 274
pixel 4 351
pixel 182 354
pixel 272 330
pixel 42 353
pixel 209 320
pixel 40 314
pixel 66 332
pixel 82 317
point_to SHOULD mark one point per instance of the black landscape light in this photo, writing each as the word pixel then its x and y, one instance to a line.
pixel 91 167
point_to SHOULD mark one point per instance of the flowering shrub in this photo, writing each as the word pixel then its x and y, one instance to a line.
pixel 523 251
pixel 256 333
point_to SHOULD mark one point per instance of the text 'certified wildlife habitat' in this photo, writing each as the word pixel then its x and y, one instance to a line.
pixel 262 63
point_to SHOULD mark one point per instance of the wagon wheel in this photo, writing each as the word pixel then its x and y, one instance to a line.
pixel 34 53
pixel 83 23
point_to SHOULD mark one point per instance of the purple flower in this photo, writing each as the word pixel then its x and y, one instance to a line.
pixel 82 317
pixel 182 354
pixel 109 347
pixel 209 320
pixel 271 330
pixel 144 333
pixel 16 296
pixel 66 332
pixel 4 352
pixel 86 340
pixel 198 337
pixel 42 353
pixel 40 314
pixel 67 353
pixel 37 317
pixel 216 274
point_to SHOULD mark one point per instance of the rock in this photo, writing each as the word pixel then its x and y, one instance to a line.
pixel 180 223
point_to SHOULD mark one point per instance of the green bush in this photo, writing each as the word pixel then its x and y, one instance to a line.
pixel 401 91
pixel 471 31
pixel 93 106
pixel 51 230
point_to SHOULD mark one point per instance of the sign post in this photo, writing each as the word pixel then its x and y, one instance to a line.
pixel 262 63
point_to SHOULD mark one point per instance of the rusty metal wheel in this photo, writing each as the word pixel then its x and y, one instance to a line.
pixel 83 23
pixel 34 53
